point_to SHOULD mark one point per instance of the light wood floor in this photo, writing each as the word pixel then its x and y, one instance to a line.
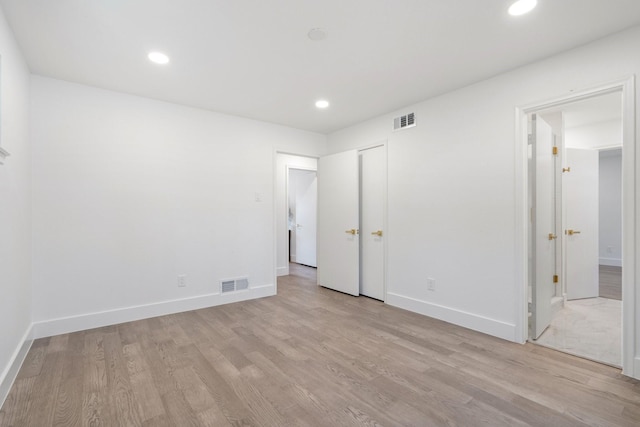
pixel 611 282
pixel 309 357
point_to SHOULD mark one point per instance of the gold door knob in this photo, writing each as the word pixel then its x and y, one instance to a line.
pixel 377 233
pixel 353 231
pixel 572 232
pixel 552 236
pixel 566 169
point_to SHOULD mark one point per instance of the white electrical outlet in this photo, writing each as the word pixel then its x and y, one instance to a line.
pixel 431 284
pixel 609 249
pixel 182 280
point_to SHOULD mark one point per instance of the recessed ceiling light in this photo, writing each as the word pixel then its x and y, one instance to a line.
pixel 322 104
pixel 521 7
pixel 317 34
pixel 158 57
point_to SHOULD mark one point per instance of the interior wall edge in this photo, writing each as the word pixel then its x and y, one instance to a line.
pixel 82 322
pixel 636 368
pixel 485 325
pixel 17 359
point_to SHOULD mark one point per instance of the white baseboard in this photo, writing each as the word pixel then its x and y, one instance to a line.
pixel 482 324
pixel 282 271
pixel 64 325
pixel 11 371
pixel 613 262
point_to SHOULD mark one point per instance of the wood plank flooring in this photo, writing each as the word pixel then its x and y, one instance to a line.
pixel 309 357
pixel 611 282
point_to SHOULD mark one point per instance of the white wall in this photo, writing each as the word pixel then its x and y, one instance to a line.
pixel 610 234
pixel 595 135
pixel 452 205
pixel 15 209
pixel 129 193
pixel 285 161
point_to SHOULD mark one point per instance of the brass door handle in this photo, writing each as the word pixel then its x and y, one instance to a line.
pixel 552 236
pixel 377 233
pixel 572 232
pixel 566 169
pixel 353 231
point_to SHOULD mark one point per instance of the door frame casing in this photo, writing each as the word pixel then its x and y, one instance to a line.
pixel 630 181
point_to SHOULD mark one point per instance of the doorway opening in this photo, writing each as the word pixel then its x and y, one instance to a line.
pixel 302 200
pixel 295 211
pixel 575 227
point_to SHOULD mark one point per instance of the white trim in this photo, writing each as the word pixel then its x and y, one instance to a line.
pixel 630 181
pixel 3 155
pixel 611 262
pixel 63 325
pixel 486 325
pixel 381 143
pixel 15 363
pixel 630 185
pixel 521 249
pixel 282 271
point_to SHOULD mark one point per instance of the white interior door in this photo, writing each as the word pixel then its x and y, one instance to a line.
pixel 338 219
pixel 372 195
pixel 581 187
pixel 306 197
pixel 543 225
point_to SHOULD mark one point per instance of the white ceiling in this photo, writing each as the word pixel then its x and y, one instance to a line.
pixel 252 58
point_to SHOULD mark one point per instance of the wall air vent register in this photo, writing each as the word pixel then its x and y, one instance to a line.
pixel 403 122
pixel 233 285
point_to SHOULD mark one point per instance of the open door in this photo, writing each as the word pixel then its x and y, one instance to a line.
pixel 306 196
pixel 338 219
pixel 543 225
pixel 581 187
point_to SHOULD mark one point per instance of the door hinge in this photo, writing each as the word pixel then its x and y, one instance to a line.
pixel 555 278
pixel 555 151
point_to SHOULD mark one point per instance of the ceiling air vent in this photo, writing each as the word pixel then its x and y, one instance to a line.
pixel 233 285
pixel 406 121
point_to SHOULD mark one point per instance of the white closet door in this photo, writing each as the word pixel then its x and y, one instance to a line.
pixel 338 219
pixel 372 195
